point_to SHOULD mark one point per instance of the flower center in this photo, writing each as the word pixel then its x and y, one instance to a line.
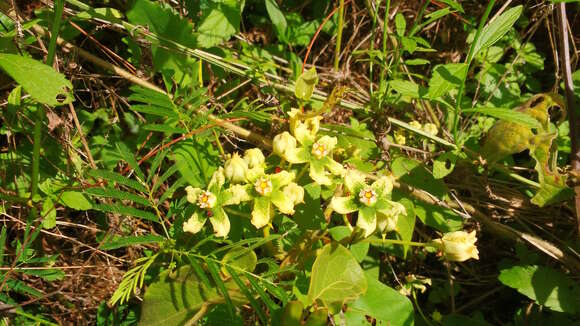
pixel 263 186
pixel 319 150
pixel 206 200
pixel 367 196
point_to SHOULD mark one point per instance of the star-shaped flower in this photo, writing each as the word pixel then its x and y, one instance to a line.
pixel 209 204
pixel 306 147
pixel 373 203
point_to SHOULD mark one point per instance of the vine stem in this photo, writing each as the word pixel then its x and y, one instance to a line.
pixel 397 242
pixel 339 35
pixel 468 60
pixel 569 86
pixel 58 9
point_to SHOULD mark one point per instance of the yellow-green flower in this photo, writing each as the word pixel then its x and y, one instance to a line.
pixel 375 209
pixel 458 246
pixel 415 124
pixel 235 169
pixel 431 129
pixel 316 151
pixel 209 204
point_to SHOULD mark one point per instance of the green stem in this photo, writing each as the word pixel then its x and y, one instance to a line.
pixel 58 9
pixel 385 36
pixel 339 35
pixel 468 60
pixel 398 242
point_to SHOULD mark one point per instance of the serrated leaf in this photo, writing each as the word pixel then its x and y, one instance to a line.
pixel 496 29
pixel 126 241
pixel 446 78
pixel 545 285
pixel 407 88
pixel 336 278
pixel 42 82
pixel 128 156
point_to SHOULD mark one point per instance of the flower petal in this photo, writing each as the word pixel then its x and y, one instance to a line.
pixel 284 204
pixel 294 192
pixel 236 194
pixel 328 142
pixel 354 180
pixel 387 223
pixel 261 212
pixel 281 179
pixel 333 166
pixel 217 180
pixel 195 223
pixel 383 185
pixel 193 194
pixel 343 205
pixel 220 222
pixel 297 155
pixel 367 220
pixel 282 143
pixel 318 173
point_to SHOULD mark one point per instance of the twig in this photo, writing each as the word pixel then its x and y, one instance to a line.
pixel 569 86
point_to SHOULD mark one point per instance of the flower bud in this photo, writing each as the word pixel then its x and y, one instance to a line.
pixel 254 158
pixel 430 129
pixel 235 168
pixel 458 246
pixel 283 142
pixel 400 138
pixel 415 124
pixel 294 193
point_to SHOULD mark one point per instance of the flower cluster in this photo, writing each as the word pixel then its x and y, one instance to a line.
pixel 245 179
pixel 248 182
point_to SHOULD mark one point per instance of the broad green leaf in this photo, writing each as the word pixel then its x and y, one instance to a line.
pixel 446 78
pixel 277 18
pixel 48 214
pixel 359 250
pixel 407 88
pixel 292 314
pixel 546 286
pixel 437 217
pixel 336 278
pixel 496 29
pixel 506 138
pixel 382 303
pixel 178 295
pixel 42 82
pixel 309 216
pixel 444 164
pixel 126 241
pixel 508 115
pixel 239 258
pixel 414 173
pixel 163 21
pixel 220 23
pixel 305 84
pixel 75 200
pixel 406 223
pixel 400 24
